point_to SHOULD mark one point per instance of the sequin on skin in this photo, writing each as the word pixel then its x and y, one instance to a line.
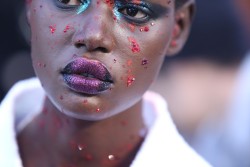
pixel 52 29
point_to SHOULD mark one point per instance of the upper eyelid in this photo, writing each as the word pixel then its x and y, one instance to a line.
pixel 64 6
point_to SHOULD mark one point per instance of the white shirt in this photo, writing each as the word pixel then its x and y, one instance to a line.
pixel 162 147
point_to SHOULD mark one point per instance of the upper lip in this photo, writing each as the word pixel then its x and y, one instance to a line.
pixel 88 68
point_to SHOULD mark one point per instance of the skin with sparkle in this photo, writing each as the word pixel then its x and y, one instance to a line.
pixel 87 101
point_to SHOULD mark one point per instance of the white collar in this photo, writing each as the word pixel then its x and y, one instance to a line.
pixel 163 145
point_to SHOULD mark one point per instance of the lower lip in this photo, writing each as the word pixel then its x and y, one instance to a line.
pixel 85 85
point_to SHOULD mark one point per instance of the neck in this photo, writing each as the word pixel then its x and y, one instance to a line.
pixel 110 142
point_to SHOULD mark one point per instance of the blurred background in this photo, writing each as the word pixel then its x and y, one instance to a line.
pixel 15 62
pixel 207 94
pixel 199 84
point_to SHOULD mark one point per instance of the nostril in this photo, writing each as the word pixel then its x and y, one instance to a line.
pixel 79 45
pixel 102 49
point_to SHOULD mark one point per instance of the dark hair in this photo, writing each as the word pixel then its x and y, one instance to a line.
pixel 216 35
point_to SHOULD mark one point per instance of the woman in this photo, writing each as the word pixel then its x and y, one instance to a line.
pixel 95 60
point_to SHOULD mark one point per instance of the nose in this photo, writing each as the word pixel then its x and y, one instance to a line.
pixel 94 30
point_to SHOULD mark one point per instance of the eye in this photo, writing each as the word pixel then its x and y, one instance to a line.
pixel 72 2
pixel 134 12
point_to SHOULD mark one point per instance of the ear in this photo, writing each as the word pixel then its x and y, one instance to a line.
pixel 183 20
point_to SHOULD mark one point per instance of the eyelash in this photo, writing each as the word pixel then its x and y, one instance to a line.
pixel 118 8
pixel 65 7
pixel 140 7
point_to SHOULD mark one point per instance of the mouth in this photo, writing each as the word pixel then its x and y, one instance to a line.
pixel 87 76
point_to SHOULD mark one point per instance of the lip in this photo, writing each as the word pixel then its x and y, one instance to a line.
pixel 87 76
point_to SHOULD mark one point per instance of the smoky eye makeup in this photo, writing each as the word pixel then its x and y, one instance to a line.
pixel 70 5
pixel 138 12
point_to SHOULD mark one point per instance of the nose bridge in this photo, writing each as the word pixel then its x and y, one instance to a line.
pixel 95 27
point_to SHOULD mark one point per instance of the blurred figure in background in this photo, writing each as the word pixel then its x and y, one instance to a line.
pixel 205 83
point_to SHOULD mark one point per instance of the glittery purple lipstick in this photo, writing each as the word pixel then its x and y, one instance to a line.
pixel 87 76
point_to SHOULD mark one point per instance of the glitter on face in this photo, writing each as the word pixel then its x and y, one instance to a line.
pixel 52 29
pixel 85 101
pixel 130 80
pixel 134 45
pixel 129 62
pixel 144 62
pixel 83 7
pixel 144 29
pixel 131 27
pixel 66 28
pixel 98 110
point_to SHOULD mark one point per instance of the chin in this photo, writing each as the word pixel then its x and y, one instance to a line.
pixel 90 116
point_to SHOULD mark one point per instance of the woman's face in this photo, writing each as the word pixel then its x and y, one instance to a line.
pixel 97 58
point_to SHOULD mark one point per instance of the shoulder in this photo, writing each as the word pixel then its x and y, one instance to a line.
pixel 24 97
pixel 163 145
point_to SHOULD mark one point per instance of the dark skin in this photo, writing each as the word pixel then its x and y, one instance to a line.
pixel 106 128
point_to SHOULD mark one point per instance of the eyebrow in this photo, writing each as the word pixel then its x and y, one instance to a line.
pixel 159 9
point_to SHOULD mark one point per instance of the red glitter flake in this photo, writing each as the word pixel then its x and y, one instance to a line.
pixel 129 62
pixel 130 80
pixel 72 144
pixel 144 29
pixel 129 71
pixel 134 45
pixel 66 28
pixel 98 110
pixel 61 97
pixel 124 123
pixel 88 157
pixel 129 147
pixel 144 62
pixel 52 29
pixel 131 27
pixel 110 3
